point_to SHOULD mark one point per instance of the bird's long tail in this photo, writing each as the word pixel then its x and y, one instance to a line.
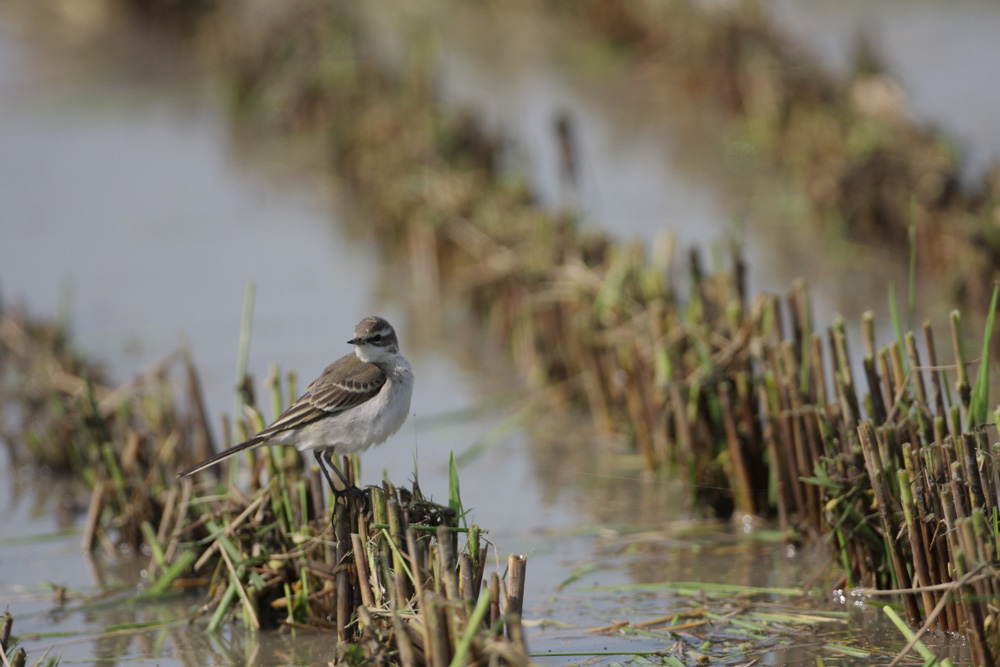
pixel 255 441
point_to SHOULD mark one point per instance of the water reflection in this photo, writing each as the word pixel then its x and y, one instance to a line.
pixel 237 646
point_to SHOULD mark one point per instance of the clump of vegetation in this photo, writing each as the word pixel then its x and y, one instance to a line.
pixel 383 570
pixel 386 574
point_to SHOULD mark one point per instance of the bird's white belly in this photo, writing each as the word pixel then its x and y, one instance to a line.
pixel 357 429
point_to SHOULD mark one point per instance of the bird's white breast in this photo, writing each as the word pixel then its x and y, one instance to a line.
pixel 370 423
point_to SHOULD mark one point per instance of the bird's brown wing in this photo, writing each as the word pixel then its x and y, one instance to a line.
pixel 344 384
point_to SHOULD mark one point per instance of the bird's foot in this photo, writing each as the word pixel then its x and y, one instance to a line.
pixel 350 493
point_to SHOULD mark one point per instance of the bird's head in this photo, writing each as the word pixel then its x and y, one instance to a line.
pixel 375 341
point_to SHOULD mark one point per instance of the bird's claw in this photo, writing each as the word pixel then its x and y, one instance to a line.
pixel 350 493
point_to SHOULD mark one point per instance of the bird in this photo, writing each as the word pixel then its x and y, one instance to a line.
pixel 359 401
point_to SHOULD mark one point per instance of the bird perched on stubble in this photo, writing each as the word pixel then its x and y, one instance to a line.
pixel 360 400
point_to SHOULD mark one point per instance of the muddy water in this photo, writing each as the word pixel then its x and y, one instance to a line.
pixel 122 194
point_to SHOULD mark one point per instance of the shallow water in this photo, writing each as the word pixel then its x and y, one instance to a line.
pixel 944 54
pixel 123 184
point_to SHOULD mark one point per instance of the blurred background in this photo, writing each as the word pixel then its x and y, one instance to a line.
pixel 135 206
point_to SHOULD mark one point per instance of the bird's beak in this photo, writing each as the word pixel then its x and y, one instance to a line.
pixel 355 341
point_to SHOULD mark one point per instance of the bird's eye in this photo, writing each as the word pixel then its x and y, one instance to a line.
pixel 377 338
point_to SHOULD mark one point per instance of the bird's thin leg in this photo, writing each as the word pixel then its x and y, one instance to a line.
pixel 326 473
pixel 336 470
pixel 349 489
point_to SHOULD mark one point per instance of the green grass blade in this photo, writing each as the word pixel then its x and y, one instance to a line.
pixel 912 305
pixel 150 535
pixel 176 569
pixel 399 556
pixel 903 628
pixel 475 623
pixel 454 491
pixel 896 326
pixel 696 587
pixel 848 650
pixel 981 389
pixel 576 574
pixel 224 604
